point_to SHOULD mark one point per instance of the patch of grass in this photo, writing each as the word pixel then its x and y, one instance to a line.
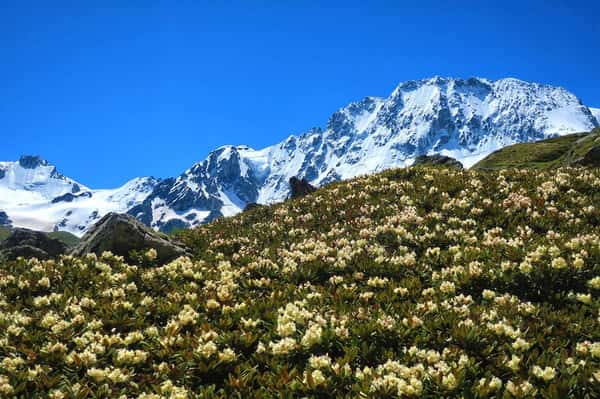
pixel 70 239
pixel 4 232
pixel 539 155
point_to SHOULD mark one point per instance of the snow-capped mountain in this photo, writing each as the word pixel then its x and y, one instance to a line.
pixel 596 113
pixel 465 119
pixel 34 195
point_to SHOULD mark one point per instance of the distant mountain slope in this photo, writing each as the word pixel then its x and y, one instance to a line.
pixel 596 113
pixel 465 119
pixel 33 194
pixel 569 150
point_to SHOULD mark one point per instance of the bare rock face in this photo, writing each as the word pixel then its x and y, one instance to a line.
pixel 300 188
pixel 437 160
pixel 121 234
pixel 31 244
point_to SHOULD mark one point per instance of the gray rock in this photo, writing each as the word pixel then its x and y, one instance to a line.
pixel 591 158
pixel 2 173
pixel 121 234
pixel 29 243
pixel 437 160
pixel 300 187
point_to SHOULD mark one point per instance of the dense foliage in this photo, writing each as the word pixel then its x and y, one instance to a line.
pixel 420 282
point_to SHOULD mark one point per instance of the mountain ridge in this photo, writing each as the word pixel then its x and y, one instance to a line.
pixel 463 118
pixel 466 119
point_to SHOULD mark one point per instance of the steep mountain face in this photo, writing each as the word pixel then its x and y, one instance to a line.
pixel 33 194
pixel 465 119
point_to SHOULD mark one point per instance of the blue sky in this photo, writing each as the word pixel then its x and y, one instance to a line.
pixel 109 90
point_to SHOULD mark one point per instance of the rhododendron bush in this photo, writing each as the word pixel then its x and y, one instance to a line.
pixel 421 282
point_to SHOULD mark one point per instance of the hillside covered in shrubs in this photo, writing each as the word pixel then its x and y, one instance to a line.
pixel 422 282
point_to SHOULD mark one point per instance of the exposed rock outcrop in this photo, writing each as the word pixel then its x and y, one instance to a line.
pixel 300 187
pixel 121 234
pixel 69 197
pixel 437 160
pixel 591 158
pixel 32 161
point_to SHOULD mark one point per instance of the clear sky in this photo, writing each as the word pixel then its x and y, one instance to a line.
pixel 109 90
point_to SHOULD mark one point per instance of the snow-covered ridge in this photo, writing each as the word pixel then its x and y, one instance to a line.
pixel 463 118
pixel 34 195
pixel 596 113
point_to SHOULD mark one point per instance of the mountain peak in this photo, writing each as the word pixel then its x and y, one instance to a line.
pixel 32 161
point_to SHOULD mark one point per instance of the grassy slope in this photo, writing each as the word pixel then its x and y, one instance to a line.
pixel 63 236
pixel 66 237
pixel 558 151
pixel 4 232
pixel 361 271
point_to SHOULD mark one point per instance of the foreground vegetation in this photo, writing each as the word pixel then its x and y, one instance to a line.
pixel 421 282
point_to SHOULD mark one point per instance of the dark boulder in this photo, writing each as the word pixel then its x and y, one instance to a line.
pixel 2 173
pixel 29 243
pixel 121 234
pixel 251 206
pixel 591 158
pixel 300 187
pixel 437 160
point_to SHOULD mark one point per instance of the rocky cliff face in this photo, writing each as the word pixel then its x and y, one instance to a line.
pixel 464 119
